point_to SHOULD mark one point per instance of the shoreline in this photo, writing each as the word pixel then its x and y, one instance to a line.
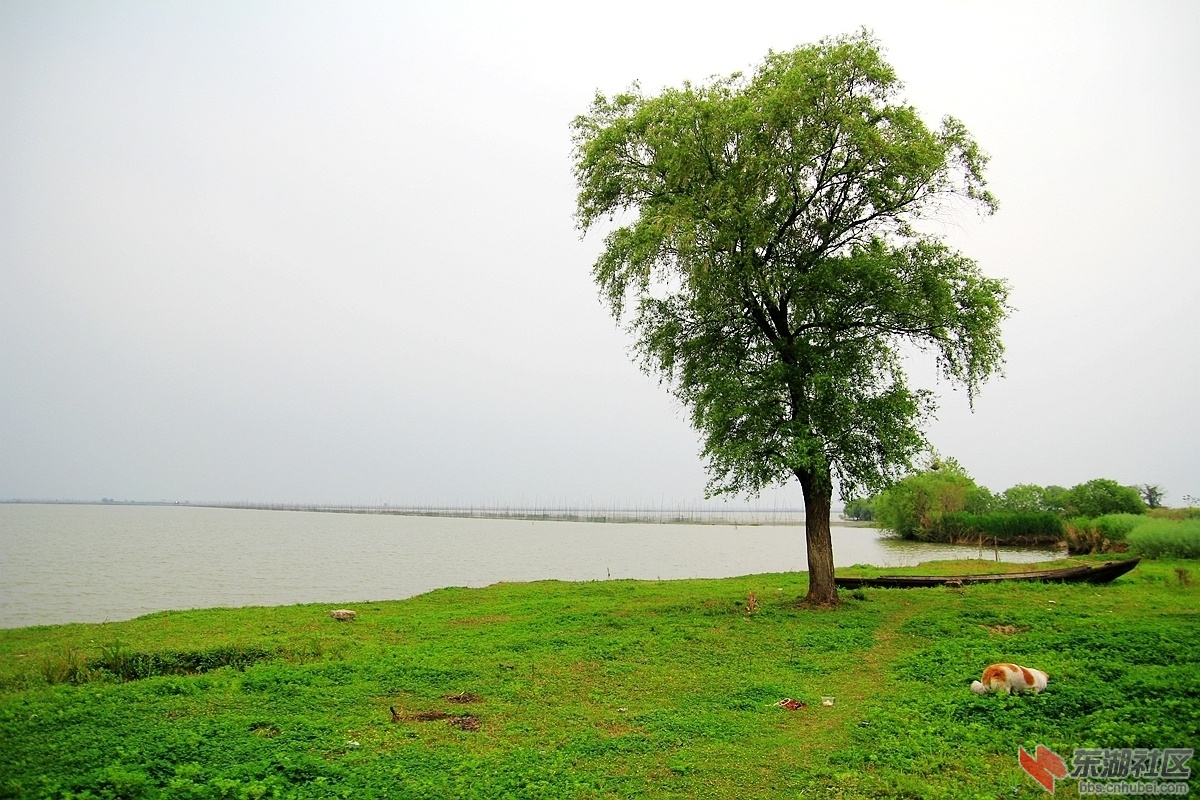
pixel 679 515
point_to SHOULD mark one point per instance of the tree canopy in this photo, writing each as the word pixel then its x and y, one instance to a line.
pixel 933 504
pixel 1152 493
pixel 763 247
pixel 1103 496
pixel 914 505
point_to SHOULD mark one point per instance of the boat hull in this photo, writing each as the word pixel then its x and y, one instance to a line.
pixel 1099 573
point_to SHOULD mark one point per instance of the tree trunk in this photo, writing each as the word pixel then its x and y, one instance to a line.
pixel 818 497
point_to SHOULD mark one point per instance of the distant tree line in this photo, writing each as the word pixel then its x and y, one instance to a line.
pixel 943 503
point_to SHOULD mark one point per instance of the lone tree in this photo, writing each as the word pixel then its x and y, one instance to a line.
pixel 1152 493
pixel 763 250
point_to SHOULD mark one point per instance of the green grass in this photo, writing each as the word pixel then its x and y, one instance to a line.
pixel 1163 538
pixel 1157 536
pixel 1191 512
pixel 1116 527
pixel 605 689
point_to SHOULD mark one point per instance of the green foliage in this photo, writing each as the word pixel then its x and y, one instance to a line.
pixel 1174 513
pixel 929 505
pixel 1082 537
pixel 1116 527
pixel 914 506
pixel 768 246
pixel 65 666
pixel 1092 499
pixel 116 661
pixel 1102 496
pixel 70 665
pixel 1029 497
pixel 861 509
pixel 610 689
pixel 1055 499
pixel 1166 538
pixel 1161 538
pixel 1004 527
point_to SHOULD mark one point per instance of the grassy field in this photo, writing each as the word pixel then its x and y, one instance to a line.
pixel 605 689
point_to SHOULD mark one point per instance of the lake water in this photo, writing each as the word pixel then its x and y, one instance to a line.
pixel 91 563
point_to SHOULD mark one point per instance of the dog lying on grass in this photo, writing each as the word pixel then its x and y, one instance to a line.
pixel 1009 678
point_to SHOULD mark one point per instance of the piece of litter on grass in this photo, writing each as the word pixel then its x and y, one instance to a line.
pixel 791 705
pixel 622 710
pixel 826 701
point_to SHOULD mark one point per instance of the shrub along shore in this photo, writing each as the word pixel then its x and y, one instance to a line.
pixel 942 503
pixel 603 689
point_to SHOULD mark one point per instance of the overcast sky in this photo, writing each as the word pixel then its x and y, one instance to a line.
pixel 325 252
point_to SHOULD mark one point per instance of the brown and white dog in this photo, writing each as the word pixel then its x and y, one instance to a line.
pixel 1009 678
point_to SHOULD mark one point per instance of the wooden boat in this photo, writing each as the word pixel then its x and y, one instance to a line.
pixel 1088 573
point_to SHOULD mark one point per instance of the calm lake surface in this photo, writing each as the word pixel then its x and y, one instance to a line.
pixel 83 563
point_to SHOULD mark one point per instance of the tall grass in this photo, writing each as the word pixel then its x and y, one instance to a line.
pixel 68 665
pixel 1105 534
pixel 1004 527
pixel 1190 512
pixel 1162 538
pixel 1114 527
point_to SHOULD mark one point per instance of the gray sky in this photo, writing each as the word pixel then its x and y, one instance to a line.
pixel 325 251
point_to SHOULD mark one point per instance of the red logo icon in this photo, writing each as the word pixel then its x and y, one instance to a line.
pixel 1044 768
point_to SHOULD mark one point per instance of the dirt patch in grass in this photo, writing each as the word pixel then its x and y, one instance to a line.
pixel 463 697
pixel 466 722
